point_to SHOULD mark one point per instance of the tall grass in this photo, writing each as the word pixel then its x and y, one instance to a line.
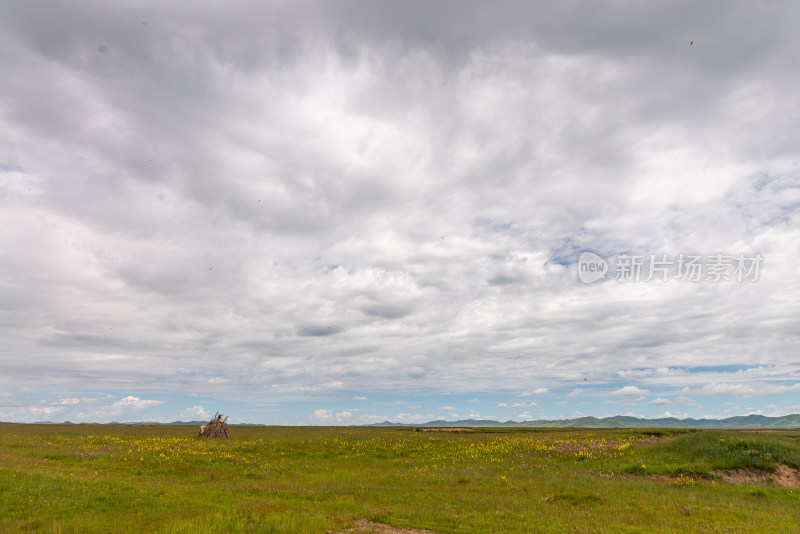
pixel 706 452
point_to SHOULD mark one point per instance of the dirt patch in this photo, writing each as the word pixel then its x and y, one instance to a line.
pixel 447 429
pixel 783 477
pixel 766 431
pixel 365 526
pixel 787 477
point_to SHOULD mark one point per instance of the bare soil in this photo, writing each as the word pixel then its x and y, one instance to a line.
pixel 768 431
pixel 365 526
pixel 783 477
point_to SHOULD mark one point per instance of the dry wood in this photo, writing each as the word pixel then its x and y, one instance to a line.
pixel 216 428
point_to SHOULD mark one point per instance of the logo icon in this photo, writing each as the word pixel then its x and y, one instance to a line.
pixel 591 268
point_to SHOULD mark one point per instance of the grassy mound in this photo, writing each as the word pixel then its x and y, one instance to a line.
pixel 703 453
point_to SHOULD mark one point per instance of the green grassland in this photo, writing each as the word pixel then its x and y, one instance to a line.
pixel 117 478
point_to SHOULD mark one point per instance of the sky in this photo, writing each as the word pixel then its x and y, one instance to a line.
pixel 338 213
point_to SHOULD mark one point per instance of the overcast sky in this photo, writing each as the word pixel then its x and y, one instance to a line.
pixel 345 212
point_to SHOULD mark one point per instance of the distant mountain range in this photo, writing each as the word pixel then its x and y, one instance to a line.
pixel 755 422
pixel 746 422
pixel 183 423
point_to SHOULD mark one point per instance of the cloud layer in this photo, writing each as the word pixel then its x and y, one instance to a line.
pixel 282 203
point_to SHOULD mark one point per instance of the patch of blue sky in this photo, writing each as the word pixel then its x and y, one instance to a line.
pixel 732 368
pixel 566 253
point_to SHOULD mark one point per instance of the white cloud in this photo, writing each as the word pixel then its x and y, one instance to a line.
pixel 448 408
pixel 747 390
pixel 574 393
pixel 502 405
pixel 135 403
pixel 321 415
pixel 344 415
pixel 660 401
pixel 45 410
pixel 629 391
pixel 195 413
pixel 726 389
pixel 126 407
pixel 218 380
pixel 537 391
pixel 359 398
pixel 678 415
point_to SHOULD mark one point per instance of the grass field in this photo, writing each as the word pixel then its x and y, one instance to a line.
pixel 101 478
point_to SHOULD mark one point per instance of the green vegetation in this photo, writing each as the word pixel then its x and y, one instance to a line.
pixel 707 452
pixel 76 478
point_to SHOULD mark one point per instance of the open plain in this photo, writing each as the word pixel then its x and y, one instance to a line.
pixel 119 478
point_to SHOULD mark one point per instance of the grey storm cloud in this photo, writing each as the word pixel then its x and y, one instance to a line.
pixel 312 196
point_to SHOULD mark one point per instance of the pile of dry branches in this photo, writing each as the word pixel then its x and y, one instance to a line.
pixel 216 428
